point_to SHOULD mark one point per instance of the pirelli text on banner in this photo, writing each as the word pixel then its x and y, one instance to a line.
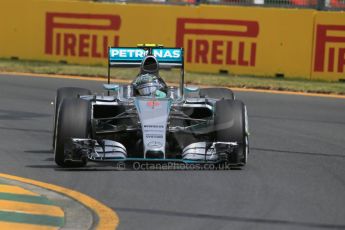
pixel 218 41
pixel 81 35
pixel 329 48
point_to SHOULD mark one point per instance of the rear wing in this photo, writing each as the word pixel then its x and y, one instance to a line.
pixel 132 56
pixel 167 57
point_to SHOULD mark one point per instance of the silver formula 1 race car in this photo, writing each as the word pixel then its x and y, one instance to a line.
pixel 148 120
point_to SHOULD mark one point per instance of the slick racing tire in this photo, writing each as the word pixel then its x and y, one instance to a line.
pixel 66 92
pixel 73 121
pixel 217 93
pixel 231 125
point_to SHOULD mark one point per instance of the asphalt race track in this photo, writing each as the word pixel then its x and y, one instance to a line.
pixel 295 178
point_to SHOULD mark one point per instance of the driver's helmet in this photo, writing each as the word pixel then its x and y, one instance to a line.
pixel 146 84
pixel 148 80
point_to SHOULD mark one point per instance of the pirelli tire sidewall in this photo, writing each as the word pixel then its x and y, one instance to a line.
pixel 73 121
pixel 230 126
pixel 61 94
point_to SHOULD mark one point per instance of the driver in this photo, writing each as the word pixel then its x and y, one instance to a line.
pixel 148 81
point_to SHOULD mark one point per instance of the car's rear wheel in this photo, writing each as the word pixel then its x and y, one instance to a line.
pixel 231 125
pixel 217 93
pixel 61 94
pixel 73 121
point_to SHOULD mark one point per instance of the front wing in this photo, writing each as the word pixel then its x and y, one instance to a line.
pixel 112 151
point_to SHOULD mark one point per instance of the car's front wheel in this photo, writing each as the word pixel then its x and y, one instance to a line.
pixel 231 125
pixel 73 121
pixel 63 93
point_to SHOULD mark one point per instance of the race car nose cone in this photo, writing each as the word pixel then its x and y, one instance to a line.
pixel 154 154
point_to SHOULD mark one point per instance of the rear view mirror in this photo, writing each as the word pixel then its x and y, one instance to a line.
pixel 191 89
pixel 112 87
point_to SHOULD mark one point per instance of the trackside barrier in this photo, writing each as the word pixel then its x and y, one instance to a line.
pixel 241 40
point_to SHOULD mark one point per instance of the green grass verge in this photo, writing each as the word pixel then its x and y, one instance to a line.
pixel 253 82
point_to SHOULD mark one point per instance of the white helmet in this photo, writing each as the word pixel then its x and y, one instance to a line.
pixel 147 84
pixel 148 80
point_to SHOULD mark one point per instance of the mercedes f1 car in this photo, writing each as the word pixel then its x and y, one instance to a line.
pixel 147 120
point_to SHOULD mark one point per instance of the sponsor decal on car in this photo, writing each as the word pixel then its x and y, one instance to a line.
pixel 137 54
pixel 154 136
pixel 329 48
pixel 81 35
pixel 154 144
pixel 218 41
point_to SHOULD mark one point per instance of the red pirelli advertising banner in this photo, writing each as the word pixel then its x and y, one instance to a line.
pixel 239 40
pixel 329 46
